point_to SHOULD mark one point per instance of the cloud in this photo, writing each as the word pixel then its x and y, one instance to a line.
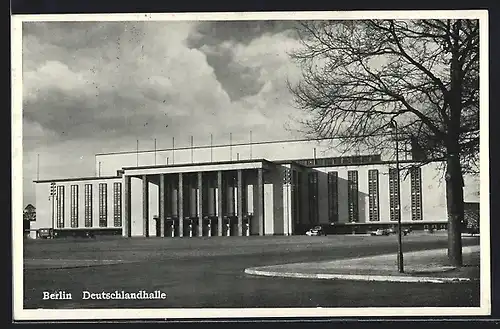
pixel 52 75
pixel 255 73
pixel 145 70
pixel 221 41
pixel 91 87
pixel 268 57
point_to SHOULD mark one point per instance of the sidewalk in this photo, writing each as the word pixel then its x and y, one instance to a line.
pixel 421 266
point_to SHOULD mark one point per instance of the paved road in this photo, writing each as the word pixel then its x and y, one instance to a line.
pixel 208 273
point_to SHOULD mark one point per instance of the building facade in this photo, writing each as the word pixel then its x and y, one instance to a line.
pixel 169 194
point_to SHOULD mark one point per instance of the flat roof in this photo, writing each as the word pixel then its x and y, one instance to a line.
pixel 74 179
pixel 205 163
pixel 320 162
pixel 386 162
pixel 291 162
pixel 235 162
pixel 200 167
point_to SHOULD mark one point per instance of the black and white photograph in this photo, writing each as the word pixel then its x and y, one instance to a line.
pixel 253 165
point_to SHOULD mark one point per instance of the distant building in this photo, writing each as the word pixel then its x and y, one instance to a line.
pixel 268 188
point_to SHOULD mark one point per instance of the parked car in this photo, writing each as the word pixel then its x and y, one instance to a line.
pixel 380 231
pixel 394 230
pixel 46 233
pixel 315 231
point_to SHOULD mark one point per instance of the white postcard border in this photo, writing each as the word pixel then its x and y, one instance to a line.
pixel 128 314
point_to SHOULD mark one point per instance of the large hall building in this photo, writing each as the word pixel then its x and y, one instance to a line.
pixel 267 188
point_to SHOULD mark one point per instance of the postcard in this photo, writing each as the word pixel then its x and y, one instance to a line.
pixel 250 165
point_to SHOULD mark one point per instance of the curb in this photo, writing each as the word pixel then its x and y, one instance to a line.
pixel 357 277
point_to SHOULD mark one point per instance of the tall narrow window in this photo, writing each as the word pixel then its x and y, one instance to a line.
pixel 60 207
pixel 393 194
pixel 416 193
pixel 117 204
pixel 333 197
pixel 373 198
pixel 88 205
pixel 313 198
pixel 299 197
pixel 74 206
pixel 295 196
pixel 103 205
pixel 352 195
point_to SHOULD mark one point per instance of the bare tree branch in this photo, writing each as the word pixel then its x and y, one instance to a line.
pixel 357 75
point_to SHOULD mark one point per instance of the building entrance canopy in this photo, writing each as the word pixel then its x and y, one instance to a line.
pixel 189 193
pixel 197 167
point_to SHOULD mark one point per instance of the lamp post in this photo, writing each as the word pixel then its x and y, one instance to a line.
pixel 393 128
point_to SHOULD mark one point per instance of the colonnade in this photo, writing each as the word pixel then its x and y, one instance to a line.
pixel 199 199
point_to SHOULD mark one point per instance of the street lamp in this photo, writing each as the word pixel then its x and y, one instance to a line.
pixel 393 128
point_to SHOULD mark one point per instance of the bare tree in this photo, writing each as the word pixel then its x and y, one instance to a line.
pixel 29 213
pixel 357 76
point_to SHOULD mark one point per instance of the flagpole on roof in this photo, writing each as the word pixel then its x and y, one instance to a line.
pixel 173 149
pixel 230 146
pixel 192 149
pixel 137 154
pixel 211 148
pixel 250 145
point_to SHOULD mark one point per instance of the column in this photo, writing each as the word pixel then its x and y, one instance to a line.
pixel 193 193
pixel 200 203
pixel 240 202
pixel 229 188
pixel 161 205
pixel 174 200
pixel 260 200
pixel 127 223
pixel 180 207
pixel 173 196
pixel 219 203
pixel 145 206
pixel 211 197
pixel 211 207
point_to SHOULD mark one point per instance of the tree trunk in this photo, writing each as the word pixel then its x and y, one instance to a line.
pixel 455 207
pixel 454 177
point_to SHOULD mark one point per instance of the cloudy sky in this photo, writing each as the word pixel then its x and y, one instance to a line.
pixel 91 87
